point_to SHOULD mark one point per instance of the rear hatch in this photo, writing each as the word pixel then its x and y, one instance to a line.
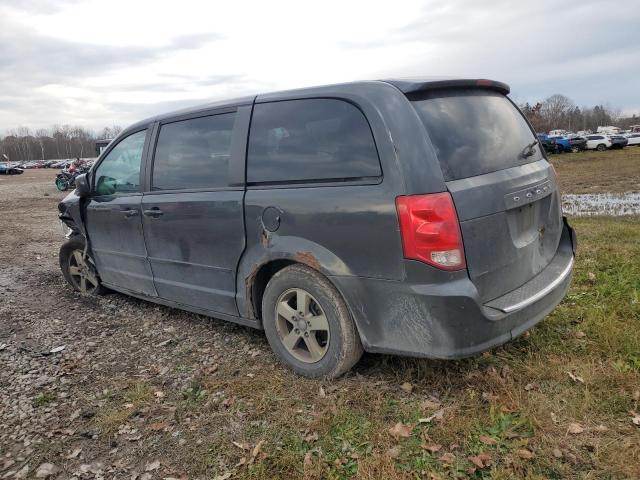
pixel 504 190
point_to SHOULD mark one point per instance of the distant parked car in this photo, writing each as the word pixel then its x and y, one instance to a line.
pixel 548 144
pixel 8 170
pixel 562 143
pixel 598 142
pixel 618 141
pixel 577 143
pixel 633 138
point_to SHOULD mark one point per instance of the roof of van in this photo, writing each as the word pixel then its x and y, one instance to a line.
pixel 405 85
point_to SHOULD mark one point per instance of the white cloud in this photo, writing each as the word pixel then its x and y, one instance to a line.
pixel 98 64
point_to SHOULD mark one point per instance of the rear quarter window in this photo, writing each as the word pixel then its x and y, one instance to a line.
pixel 475 131
pixel 310 140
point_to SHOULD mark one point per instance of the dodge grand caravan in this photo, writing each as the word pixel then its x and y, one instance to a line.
pixel 413 217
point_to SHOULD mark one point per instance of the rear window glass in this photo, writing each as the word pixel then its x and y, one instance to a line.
pixel 475 132
pixel 310 140
pixel 193 153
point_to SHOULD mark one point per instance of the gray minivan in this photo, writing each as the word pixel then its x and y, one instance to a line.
pixel 413 217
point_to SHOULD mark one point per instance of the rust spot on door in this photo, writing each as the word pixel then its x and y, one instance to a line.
pixel 248 292
pixel 264 238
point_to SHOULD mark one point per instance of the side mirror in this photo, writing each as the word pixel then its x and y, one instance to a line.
pixel 83 186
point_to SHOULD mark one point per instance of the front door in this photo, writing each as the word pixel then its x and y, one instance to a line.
pixel 113 218
pixel 192 215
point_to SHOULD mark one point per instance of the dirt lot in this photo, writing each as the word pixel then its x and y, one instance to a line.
pixel 143 391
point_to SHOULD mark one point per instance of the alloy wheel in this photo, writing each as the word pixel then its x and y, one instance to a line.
pixel 302 325
pixel 82 274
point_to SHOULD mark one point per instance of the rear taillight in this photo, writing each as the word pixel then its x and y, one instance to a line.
pixel 430 230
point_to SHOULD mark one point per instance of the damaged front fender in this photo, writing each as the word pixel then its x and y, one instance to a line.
pixel 70 213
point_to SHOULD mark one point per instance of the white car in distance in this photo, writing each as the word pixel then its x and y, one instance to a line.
pixel 597 142
pixel 634 138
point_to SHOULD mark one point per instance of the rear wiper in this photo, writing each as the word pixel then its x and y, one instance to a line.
pixel 527 151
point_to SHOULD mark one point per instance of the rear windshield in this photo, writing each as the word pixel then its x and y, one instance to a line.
pixel 475 131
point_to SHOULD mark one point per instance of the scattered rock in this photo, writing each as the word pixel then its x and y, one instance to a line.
pixel 436 416
pixel 406 387
pixel 149 467
pixel 46 470
pixel 575 428
pixel 525 454
pixel 22 473
pixel 575 378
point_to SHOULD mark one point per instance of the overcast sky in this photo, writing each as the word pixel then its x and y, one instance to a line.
pixel 98 63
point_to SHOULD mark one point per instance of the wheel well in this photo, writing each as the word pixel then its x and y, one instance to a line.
pixel 260 280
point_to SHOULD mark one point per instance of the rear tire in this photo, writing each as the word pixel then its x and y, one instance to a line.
pixel 308 324
pixel 601 148
pixel 79 272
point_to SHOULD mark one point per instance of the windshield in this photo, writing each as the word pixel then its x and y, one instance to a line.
pixel 475 131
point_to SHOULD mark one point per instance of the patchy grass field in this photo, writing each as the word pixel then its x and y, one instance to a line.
pixel 142 391
pixel 559 403
pixel 599 172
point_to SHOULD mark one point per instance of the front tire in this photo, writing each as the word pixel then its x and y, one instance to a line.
pixel 78 271
pixel 308 324
pixel 601 148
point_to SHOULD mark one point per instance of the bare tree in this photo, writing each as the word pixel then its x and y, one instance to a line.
pixel 41 135
pixel 555 111
pixel 558 111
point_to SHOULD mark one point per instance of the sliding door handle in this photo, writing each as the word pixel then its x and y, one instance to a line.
pixel 154 212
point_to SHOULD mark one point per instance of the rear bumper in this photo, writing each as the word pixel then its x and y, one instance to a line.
pixel 445 319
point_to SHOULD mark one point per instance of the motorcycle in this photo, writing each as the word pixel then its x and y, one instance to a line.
pixel 66 179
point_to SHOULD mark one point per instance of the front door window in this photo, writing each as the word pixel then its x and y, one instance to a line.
pixel 119 172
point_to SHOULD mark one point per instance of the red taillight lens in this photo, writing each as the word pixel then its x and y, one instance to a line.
pixel 430 230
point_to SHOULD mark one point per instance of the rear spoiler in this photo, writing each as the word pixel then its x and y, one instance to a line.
pixel 413 86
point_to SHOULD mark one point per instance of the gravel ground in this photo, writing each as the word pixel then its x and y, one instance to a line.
pixel 64 358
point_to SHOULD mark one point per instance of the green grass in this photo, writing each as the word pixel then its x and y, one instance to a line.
pixel 122 405
pixel 598 172
pixel 43 399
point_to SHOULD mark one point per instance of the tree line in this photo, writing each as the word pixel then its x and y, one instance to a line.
pixel 68 141
pixel 58 142
pixel 559 112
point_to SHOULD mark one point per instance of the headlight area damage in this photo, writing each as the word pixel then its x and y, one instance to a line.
pixel 69 215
